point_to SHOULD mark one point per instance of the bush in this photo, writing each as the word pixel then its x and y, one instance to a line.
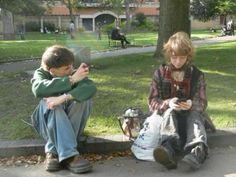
pixel 50 26
pixel 141 24
pixel 140 19
pixel 32 26
pixel 81 29
pixel 109 27
pixel 148 26
pixel 35 26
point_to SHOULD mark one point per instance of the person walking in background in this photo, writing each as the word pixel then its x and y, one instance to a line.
pixel 178 95
pixel 117 35
pixel 230 27
pixel 72 29
pixel 64 108
pixel 99 31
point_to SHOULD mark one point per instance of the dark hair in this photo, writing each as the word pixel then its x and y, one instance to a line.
pixel 57 56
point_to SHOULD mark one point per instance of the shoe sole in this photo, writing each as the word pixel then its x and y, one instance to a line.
pixel 84 169
pixel 53 167
pixel 189 164
pixel 161 156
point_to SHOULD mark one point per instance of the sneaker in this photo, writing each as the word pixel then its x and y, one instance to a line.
pixel 52 162
pixel 77 164
pixel 190 162
pixel 163 156
pixel 196 157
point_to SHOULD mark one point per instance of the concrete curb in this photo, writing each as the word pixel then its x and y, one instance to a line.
pixel 103 144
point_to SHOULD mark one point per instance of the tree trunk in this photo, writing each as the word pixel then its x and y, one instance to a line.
pixel 70 10
pixel 127 14
pixel 8 27
pixel 174 17
pixel 225 20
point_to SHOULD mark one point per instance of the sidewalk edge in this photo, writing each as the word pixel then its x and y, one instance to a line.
pixel 103 144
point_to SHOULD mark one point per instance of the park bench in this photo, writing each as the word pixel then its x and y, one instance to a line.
pixel 116 42
pixel 112 42
pixel 227 31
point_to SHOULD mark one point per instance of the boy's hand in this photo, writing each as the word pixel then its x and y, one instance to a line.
pixel 53 102
pixel 81 73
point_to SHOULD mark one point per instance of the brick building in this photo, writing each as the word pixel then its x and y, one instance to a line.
pixel 88 16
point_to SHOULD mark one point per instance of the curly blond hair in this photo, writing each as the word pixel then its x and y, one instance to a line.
pixel 179 44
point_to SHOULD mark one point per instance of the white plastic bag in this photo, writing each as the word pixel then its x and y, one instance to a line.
pixel 148 138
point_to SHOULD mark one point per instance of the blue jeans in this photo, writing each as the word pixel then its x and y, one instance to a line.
pixel 62 126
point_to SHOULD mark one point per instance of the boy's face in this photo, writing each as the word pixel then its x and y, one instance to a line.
pixel 61 71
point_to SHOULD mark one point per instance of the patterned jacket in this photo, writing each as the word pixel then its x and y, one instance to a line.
pixel 164 87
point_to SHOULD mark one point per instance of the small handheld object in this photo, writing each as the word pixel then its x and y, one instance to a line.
pixel 181 100
pixel 85 66
pixel 180 95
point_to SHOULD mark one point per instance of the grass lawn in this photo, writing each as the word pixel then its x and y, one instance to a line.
pixel 122 82
pixel 35 43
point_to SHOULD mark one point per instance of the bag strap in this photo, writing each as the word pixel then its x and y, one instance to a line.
pixel 119 120
pixel 129 129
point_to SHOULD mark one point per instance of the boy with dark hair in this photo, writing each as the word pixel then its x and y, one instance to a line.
pixel 63 111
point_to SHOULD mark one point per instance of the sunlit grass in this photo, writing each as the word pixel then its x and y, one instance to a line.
pixel 123 82
pixel 35 43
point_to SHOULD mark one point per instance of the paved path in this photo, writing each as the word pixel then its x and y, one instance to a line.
pixel 221 163
pixel 33 64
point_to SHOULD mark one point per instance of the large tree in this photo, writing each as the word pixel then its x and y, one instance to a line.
pixel 71 5
pixel 174 16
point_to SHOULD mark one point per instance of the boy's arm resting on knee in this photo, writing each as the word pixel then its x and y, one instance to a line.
pixel 54 101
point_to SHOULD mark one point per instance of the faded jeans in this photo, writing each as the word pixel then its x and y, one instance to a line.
pixel 183 130
pixel 62 126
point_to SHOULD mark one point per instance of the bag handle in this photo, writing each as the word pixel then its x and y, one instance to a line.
pixel 130 136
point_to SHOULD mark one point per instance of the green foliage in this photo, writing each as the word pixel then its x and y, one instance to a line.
pixel 109 27
pixel 50 26
pixel 140 19
pixel 32 26
pixel 113 5
pixel 142 24
pixel 204 10
pixel 23 7
pixel 226 7
pixel 148 26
